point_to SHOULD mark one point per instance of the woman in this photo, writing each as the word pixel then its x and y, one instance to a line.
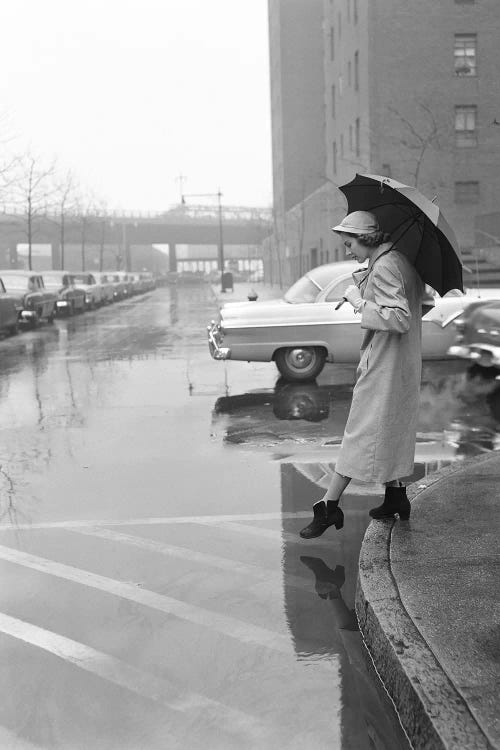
pixel 379 438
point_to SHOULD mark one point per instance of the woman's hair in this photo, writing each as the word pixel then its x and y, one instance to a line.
pixel 374 239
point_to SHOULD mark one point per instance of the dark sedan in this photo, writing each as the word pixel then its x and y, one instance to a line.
pixel 34 301
pixel 9 311
pixel 478 334
pixel 70 299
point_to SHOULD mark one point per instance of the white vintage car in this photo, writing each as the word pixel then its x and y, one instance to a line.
pixel 303 330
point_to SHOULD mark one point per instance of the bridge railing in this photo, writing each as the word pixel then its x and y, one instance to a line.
pixel 177 212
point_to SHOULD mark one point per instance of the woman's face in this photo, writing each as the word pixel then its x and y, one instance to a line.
pixel 355 249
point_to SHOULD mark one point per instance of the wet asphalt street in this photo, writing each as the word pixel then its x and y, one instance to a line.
pixel 155 593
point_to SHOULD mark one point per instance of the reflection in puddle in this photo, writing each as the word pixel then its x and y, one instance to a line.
pixel 459 416
pixel 322 621
pixel 301 427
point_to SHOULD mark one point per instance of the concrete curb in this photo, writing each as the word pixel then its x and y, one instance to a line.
pixel 432 712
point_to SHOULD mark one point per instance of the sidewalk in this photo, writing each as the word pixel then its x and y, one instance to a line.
pixel 428 606
pixel 243 289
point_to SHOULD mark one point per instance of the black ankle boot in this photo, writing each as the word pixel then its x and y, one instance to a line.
pixel 323 518
pixel 395 501
pixel 328 582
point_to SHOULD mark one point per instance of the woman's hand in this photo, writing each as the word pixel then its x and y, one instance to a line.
pixel 353 296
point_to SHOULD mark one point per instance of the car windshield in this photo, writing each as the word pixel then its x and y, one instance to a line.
pixel 15 282
pixel 304 290
pixel 82 278
pixel 55 279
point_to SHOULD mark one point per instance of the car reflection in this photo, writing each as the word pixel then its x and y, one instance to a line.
pixel 459 415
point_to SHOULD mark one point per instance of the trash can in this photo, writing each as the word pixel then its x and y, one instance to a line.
pixel 227 281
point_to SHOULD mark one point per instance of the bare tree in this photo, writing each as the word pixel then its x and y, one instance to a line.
pixel 419 136
pixel 32 189
pixel 66 200
pixel 86 212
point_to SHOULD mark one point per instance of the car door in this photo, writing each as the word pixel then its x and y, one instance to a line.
pixel 8 313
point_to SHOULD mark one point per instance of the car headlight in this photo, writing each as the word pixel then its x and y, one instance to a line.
pixel 88 298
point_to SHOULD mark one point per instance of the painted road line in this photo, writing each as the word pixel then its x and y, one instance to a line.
pixel 151 521
pixel 229 626
pixel 127 676
pixel 271 535
pixel 275 580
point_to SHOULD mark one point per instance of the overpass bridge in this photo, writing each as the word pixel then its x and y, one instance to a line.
pixel 123 233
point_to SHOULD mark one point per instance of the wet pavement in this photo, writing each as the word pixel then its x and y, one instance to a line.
pixel 156 594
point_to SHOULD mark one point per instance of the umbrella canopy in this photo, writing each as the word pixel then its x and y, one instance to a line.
pixel 415 224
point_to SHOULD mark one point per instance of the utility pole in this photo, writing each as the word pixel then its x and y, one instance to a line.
pixel 181 179
pixel 217 195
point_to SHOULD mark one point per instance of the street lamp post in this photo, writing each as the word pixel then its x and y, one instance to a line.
pixel 217 195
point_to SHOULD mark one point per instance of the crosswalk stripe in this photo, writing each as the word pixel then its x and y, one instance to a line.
pixel 272 535
pixel 229 626
pixel 275 580
pixel 152 521
pixel 127 676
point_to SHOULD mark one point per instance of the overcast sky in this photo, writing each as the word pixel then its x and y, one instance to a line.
pixel 132 93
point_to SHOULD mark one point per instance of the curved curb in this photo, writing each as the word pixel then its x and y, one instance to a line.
pixel 432 712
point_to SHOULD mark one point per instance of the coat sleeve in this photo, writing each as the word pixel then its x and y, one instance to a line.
pixel 390 310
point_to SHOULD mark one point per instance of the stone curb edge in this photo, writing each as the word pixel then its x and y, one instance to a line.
pixel 432 713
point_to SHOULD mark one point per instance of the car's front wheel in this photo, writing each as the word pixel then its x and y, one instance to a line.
pixel 300 363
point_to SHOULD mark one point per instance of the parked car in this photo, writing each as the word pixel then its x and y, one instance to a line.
pixel 88 283
pixel 126 278
pixel 70 299
pixel 303 330
pixel 9 311
pixel 148 280
pixel 138 284
pixel 34 301
pixel 119 286
pixel 104 279
pixel 478 334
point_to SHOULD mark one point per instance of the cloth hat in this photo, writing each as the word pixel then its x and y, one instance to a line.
pixel 358 222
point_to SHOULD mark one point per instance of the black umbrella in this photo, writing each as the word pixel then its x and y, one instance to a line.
pixel 416 226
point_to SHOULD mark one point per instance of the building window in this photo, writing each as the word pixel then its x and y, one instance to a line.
pixel 333 102
pixel 465 126
pixel 348 11
pixel 334 157
pixel 358 136
pixel 339 21
pixel 342 146
pixel 349 73
pixel 341 86
pixel 466 192
pixel 386 169
pixel 350 138
pixel 465 2
pixel 465 54
pixel 332 43
pixel 356 71
pixel 355 9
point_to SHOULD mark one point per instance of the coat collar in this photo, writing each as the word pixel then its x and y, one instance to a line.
pixel 363 273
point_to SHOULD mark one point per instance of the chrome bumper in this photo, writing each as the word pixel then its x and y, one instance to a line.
pixel 214 342
pixel 28 315
pixel 484 355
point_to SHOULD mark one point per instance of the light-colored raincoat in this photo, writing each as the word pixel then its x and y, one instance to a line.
pixel 379 438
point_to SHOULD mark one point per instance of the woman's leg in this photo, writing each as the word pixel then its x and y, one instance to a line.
pixel 336 488
pixel 326 512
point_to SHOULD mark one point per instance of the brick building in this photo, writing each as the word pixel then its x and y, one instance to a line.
pixel 407 89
